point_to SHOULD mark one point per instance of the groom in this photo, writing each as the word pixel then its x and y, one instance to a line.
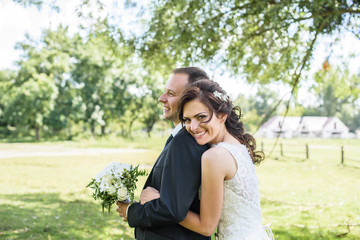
pixel 176 173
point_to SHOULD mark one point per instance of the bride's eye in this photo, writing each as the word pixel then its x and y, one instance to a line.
pixel 186 120
pixel 202 117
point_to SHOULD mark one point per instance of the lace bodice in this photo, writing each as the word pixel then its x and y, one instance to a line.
pixel 241 213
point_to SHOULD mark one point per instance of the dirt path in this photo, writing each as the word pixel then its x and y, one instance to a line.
pixel 30 150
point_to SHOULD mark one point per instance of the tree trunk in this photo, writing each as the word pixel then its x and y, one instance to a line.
pixel 37 133
pixel 149 127
pixel 130 127
pixel 93 129
pixel 68 126
pixel 103 130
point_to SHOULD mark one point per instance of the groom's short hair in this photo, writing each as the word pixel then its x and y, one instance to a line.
pixel 194 73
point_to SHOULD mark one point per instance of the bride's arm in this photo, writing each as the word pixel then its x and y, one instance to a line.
pixel 148 194
pixel 212 180
pixel 213 172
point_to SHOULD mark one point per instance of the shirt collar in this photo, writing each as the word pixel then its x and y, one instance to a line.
pixel 176 129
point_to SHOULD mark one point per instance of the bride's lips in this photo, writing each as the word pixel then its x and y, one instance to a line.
pixel 199 134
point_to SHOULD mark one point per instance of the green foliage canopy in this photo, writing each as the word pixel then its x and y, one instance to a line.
pixel 94 72
pixel 338 92
pixel 263 40
pixel 31 103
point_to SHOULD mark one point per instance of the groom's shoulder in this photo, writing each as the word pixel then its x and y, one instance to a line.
pixel 184 136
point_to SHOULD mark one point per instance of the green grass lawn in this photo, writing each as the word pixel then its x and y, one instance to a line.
pixel 46 198
pixel 311 199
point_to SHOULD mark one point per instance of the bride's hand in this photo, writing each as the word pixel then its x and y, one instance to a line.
pixel 148 194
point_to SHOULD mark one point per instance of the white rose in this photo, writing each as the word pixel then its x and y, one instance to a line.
pixel 111 189
pixel 122 194
pixel 105 183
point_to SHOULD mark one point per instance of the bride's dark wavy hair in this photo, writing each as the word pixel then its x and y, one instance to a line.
pixel 204 90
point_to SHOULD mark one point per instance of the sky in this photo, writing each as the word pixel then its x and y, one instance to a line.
pixel 16 21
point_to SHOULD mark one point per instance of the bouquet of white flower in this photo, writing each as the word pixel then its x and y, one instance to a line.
pixel 116 182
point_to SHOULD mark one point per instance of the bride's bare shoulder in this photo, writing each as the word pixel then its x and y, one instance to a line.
pixel 215 153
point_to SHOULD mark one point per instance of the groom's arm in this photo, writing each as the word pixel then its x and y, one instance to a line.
pixel 181 176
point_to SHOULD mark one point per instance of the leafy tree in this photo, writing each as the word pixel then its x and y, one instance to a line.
pixel 266 41
pixel 69 106
pixel 104 70
pixel 142 105
pixel 6 80
pixel 53 56
pixel 297 110
pixel 94 73
pixel 257 107
pixel 150 111
pixel 334 88
pixel 338 92
pixel 350 115
pixel 31 102
pixel 130 116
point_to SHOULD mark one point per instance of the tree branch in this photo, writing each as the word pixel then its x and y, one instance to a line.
pixel 297 79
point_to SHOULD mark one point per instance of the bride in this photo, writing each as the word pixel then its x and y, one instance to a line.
pixel 230 198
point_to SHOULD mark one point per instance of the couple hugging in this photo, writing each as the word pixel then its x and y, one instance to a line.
pixel 205 176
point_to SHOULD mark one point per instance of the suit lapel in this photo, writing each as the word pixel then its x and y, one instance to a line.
pixel 168 140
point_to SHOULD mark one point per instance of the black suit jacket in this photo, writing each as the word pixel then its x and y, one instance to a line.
pixel 177 175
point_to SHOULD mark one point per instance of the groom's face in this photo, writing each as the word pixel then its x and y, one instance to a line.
pixel 170 98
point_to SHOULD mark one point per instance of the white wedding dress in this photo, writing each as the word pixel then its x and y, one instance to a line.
pixel 241 212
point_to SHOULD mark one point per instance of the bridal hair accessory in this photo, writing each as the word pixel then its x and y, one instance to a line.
pixel 221 96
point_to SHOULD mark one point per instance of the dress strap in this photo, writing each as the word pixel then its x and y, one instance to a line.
pixel 230 148
pixel 269 232
pixel 235 149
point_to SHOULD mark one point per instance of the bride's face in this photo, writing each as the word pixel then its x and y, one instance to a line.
pixel 196 116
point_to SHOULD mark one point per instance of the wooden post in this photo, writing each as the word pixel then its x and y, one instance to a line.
pixel 281 150
pixel 342 154
pixel 307 151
